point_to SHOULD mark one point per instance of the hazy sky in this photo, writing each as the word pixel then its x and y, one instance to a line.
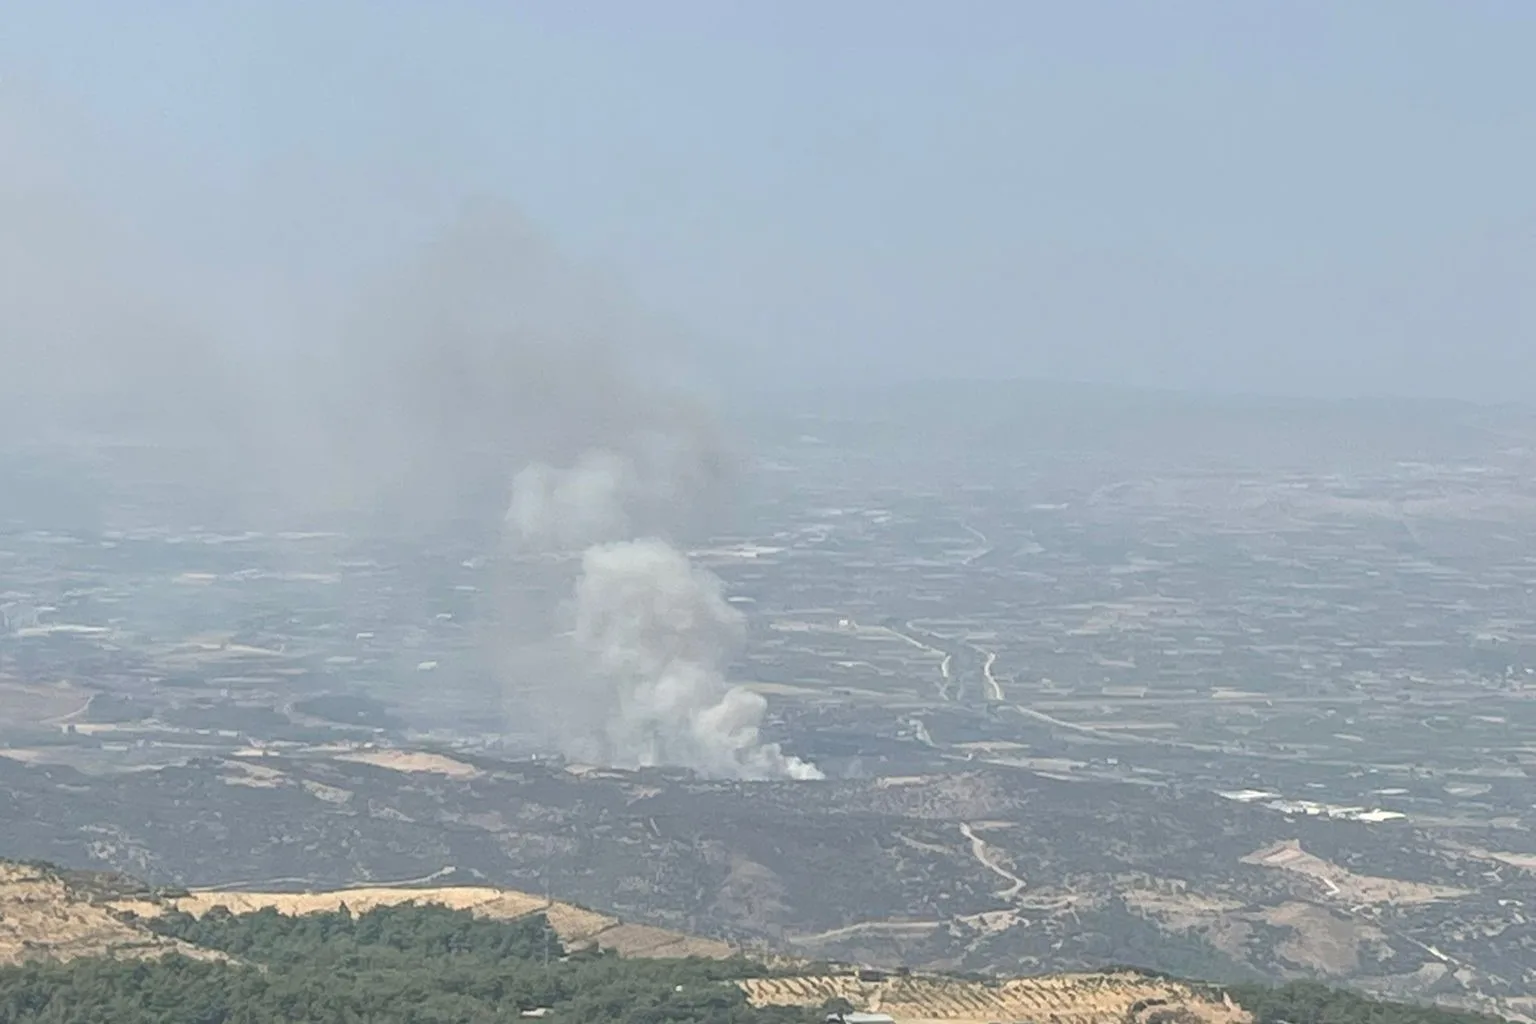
pixel 1309 197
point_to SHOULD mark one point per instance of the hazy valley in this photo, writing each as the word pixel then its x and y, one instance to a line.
pixel 1231 691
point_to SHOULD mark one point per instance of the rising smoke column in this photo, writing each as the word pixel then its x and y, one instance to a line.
pixel 493 360
pixel 652 632
pixel 399 405
pixel 660 629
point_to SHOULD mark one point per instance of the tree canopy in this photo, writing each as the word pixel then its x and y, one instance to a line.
pixel 431 965
pixel 416 964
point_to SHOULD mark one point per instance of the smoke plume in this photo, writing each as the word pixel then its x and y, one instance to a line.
pixel 519 369
pixel 658 630
pixel 651 633
pixel 478 392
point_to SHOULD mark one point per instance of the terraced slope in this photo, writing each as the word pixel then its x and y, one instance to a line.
pixel 1097 998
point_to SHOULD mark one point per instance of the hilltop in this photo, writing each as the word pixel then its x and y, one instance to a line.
pixel 80 944
pixel 993 869
pixel 50 916
pixel 49 913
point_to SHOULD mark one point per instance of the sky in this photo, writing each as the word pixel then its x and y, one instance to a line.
pixel 1295 197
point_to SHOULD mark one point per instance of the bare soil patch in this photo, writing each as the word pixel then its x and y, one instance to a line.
pixel 42 918
pixel 1344 884
pixel 413 761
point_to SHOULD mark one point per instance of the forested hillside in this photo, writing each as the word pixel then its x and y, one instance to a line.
pixel 422 964
pixel 434 965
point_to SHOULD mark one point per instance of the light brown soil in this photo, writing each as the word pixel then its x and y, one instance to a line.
pixel 1321 940
pixel 42 918
pixel 256 776
pixel 1345 885
pixel 413 761
pixel 1321 936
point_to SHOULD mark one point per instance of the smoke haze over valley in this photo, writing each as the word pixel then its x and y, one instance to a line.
pixel 481 385
pixel 986 487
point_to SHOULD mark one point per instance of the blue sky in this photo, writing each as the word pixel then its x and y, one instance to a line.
pixel 1323 198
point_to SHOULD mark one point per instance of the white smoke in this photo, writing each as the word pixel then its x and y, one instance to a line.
pixel 572 508
pixel 629 490
pixel 652 631
pixel 397 394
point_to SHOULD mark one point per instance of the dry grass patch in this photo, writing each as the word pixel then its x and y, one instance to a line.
pixel 42 918
pixel 413 761
pixel 1344 884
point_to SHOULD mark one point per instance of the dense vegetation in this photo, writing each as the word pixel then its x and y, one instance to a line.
pixel 423 965
pixel 431 965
